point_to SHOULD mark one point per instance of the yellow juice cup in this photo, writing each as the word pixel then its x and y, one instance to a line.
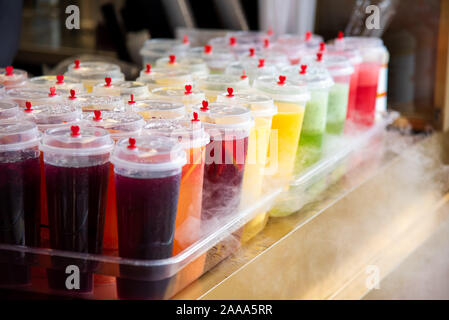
pixel 262 109
pixel 186 94
pixel 216 84
pixel 158 109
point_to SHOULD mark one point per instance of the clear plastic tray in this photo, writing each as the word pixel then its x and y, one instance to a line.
pixel 163 278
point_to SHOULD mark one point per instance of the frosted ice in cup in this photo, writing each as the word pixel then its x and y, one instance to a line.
pixel 215 84
pixel 76 161
pixel 92 102
pixel 229 127
pixel 154 49
pixel 158 109
pixel 12 78
pixel 262 109
pixel 193 139
pixel 9 110
pixel 19 197
pixel 196 66
pixel 186 94
pixel 35 96
pixel 92 72
pixel 290 98
pixel 122 88
pixel 252 68
pixel 60 82
pixel 119 125
pixel 147 173
pixel 164 77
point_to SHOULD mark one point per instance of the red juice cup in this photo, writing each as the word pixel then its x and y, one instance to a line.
pixel 147 179
pixel 19 197
pixel 119 125
pixel 8 110
pixel 12 78
pixel 76 164
pixel 229 127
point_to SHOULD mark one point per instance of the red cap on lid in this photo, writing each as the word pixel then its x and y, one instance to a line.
pixel 270 31
pixel 243 76
pixel 303 69
pixel 207 48
pixel 97 116
pixel 72 95
pixel 148 70
pixel 251 52
pixel 60 79
pixel 205 105
pixel 232 41
pixel 266 43
pixel 322 46
pixel 172 59
pixel 132 143
pixel 52 92
pixel 319 56
pixel 75 131
pixel 132 100
pixel 28 107
pixel 308 35
pixel 77 64
pixel 9 70
pixel 195 117
pixel 230 93
pixel 340 35
pixel 186 39
pixel 108 81
pixel 188 88
pixel 261 63
pixel 282 80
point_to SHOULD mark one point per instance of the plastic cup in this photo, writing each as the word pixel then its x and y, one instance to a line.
pixel 76 164
pixel 262 109
pixel 147 179
pixel 251 68
pixel 119 125
pixel 122 88
pixel 217 60
pixel 61 83
pixel 290 98
pixel 92 72
pixel 35 96
pixel 196 66
pixel 164 77
pixel 2 90
pixel 229 127
pixel 19 197
pixel 9 110
pixel 154 49
pixel 159 109
pixel 92 102
pixel 231 44
pixel 12 78
pixel 187 95
pixel 215 84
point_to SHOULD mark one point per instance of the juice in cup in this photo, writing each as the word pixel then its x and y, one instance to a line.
pixel 12 78
pixel 158 109
pixel 147 179
pixel 49 116
pixel 164 77
pixel 35 96
pixel 154 49
pixel 91 102
pixel 215 84
pixel 194 65
pixel 187 95
pixel 122 88
pixel 262 109
pixel 119 125
pixel 92 72
pixel 290 98
pixel 252 68
pixel 60 82
pixel 229 127
pixel 76 164
pixel 19 196
pixel 8 110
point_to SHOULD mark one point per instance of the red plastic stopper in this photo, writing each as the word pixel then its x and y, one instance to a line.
pixel 9 70
pixel 261 63
pixel 60 79
pixel 319 56
pixel 97 116
pixel 75 131
pixel 148 70
pixel 340 35
pixel 195 117
pixel 308 35
pixel 282 80
pixel 77 64
pixel 230 93
pixel 28 107
pixel 266 43
pixel 52 92
pixel 243 76
pixel 186 39
pixel 205 105
pixel 270 31
pixel 322 46
pixel 132 143
pixel 72 95
pixel 172 59
pixel 232 41
pixel 303 69
pixel 132 100
pixel 207 48
pixel 108 81
pixel 188 88
pixel 251 52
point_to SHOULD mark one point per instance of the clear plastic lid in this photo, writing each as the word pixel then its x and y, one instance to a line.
pixel 225 121
pixel 220 82
pixel 94 70
pixel 122 88
pixel 337 65
pixel 160 77
pixel 232 44
pixel 8 110
pixel 16 136
pixel 2 90
pixel 33 95
pixel 187 94
pixel 253 69
pixel 217 58
pixel 315 75
pixel 74 141
pixel 60 82
pixel 148 156
pixel 189 133
pixel 12 78
pixel 371 49
pixel 253 37
pixel 352 53
pixel 283 88
pixel 260 105
pixel 161 46
pixel 159 109
pixel 308 38
pixel 196 66
pixel 91 102
pixel 51 116
pixel 119 124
